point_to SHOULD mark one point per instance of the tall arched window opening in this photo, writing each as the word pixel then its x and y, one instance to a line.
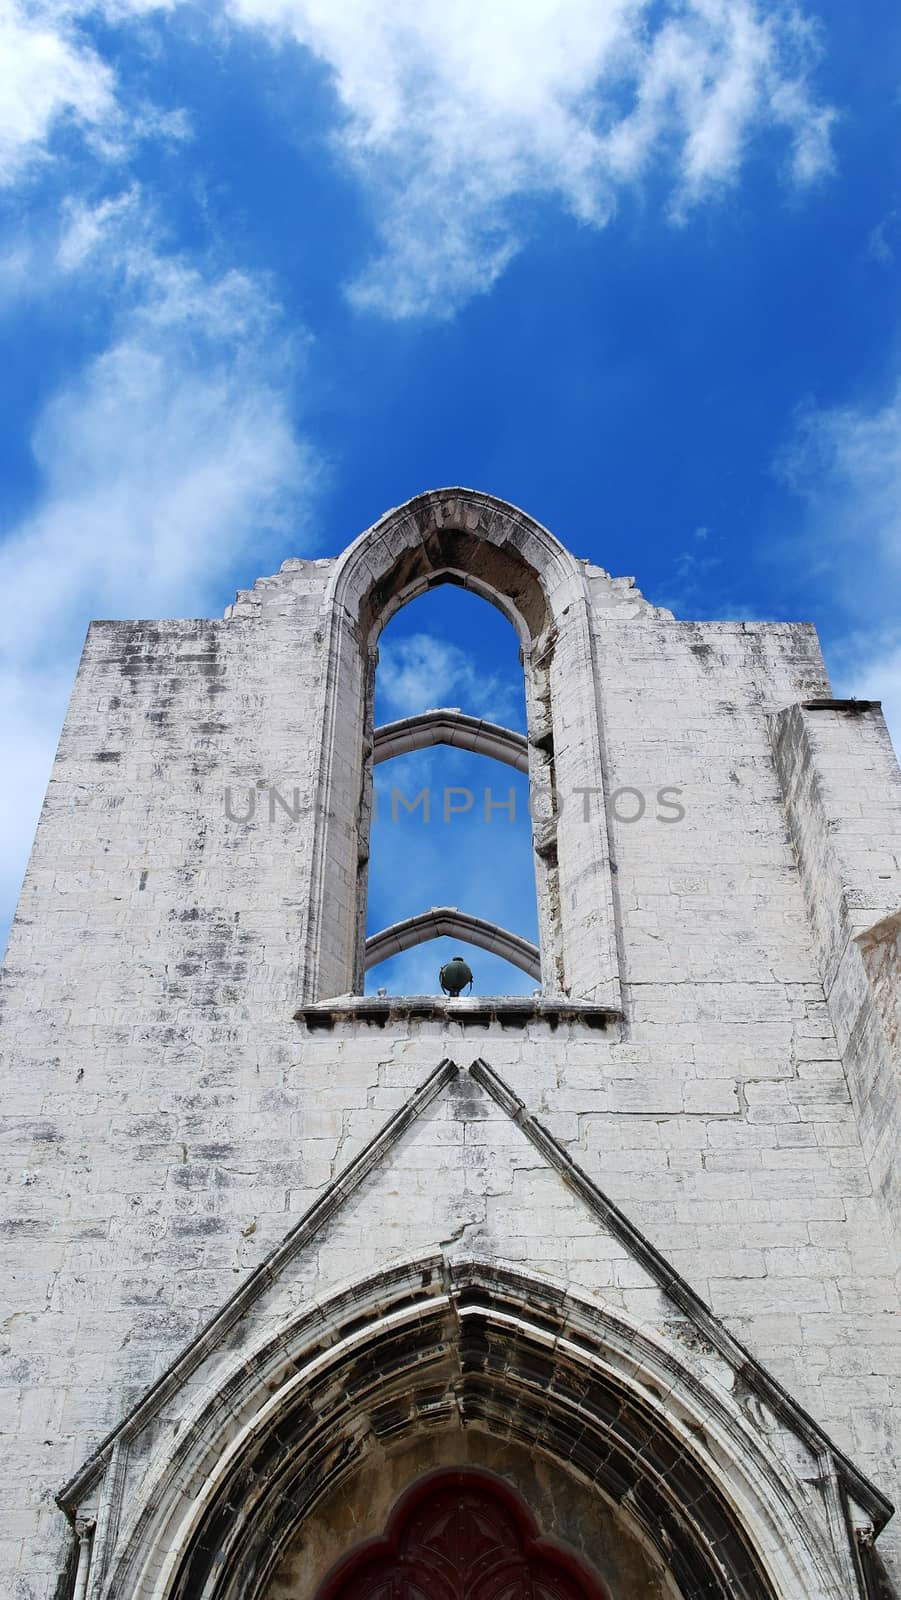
pixel 461 537
pixel 450 826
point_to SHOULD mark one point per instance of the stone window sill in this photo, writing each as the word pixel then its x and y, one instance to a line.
pixel 510 1011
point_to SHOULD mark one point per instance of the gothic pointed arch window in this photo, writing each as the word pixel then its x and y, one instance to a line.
pixel 451 866
pixel 490 548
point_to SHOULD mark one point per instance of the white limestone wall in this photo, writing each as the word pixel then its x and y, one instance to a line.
pixel 168 1121
pixel 843 797
pixel 760 1191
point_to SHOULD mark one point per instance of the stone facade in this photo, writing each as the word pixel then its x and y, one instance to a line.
pixel 271 1251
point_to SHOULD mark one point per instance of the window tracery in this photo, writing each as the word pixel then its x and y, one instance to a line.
pixel 470 539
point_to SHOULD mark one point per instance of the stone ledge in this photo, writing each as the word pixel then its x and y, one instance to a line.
pixel 856 707
pixel 510 1011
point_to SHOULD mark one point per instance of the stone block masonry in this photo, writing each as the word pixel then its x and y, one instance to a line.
pixel 168 1123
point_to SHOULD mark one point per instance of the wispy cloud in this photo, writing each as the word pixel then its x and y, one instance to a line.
pixel 874 673
pixel 161 461
pixel 46 74
pixel 456 114
pixel 845 463
pixel 421 672
pixel 162 455
pixel 455 117
pixel 54 79
pixel 883 240
pixel 690 585
pixel 85 227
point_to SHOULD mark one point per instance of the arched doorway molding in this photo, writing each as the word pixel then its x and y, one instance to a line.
pixel 738 1505
pixel 461 536
pixel 517 1544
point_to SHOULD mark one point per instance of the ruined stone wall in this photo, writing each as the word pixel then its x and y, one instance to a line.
pixel 168 1120
pixel 843 797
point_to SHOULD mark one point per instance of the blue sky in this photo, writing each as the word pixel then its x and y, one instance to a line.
pixel 268 267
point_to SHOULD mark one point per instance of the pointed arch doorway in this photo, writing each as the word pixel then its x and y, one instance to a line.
pixel 460 1535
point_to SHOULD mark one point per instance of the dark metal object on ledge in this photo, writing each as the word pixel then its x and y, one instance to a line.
pixel 455 976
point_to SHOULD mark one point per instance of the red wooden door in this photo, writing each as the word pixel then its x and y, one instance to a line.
pixel 460 1536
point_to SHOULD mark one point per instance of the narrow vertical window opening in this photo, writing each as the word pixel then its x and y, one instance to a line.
pixel 447 857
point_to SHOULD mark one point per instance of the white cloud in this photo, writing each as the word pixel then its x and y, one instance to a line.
pixel 169 455
pixel 421 672
pixel 52 76
pixel 883 239
pixel 454 113
pixel 45 74
pixel 846 464
pixel 714 74
pixel 876 675
pixel 456 116
pixel 160 462
pixel 84 226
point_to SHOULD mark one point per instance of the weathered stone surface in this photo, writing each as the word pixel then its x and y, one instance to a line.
pixel 168 1122
pixel 565 1510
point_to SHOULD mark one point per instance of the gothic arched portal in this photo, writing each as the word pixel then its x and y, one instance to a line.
pixel 432 1352
pixel 461 1535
